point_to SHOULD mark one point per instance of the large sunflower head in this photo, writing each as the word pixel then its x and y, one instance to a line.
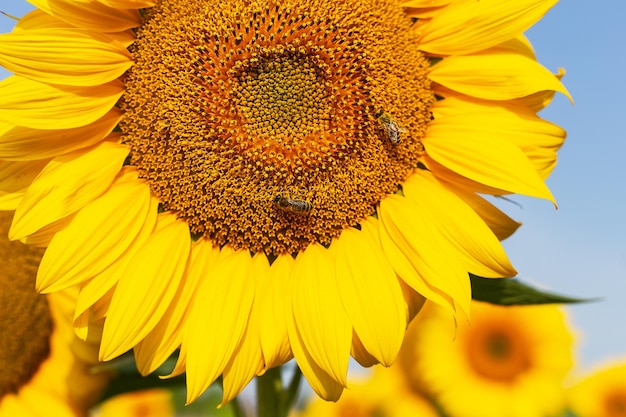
pixel 511 361
pixel 601 393
pixel 46 369
pixel 289 177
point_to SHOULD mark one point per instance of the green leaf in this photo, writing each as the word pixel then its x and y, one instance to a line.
pixel 511 291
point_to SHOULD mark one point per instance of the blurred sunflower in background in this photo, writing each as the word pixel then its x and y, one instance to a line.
pixel 384 393
pixel 511 361
pixel 251 181
pixel 46 369
pixel 601 393
pixel 154 402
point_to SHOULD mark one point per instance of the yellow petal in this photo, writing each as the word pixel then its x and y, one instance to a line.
pixel 410 229
pixel 96 237
pixel 272 299
pixel 15 178
pixel 90 14
pixel 87 321
pixel 414 300
pixel 360 353
pixel 477 151
pixel 220 309
pixel 146 287
pixel 323 384
pixel 128 4
pixel 520 45
pixel 420 4
pixel 67 56
pixel 389 234
pixel 537 138
pixel 319 330
pixel 161 342
pixel 450 177
pixel 247 361
pixel 468 26
pixel 424 9
pixel 370 292
pixel 67 184
pixel 500 224
pixel 38 19
pixel 29 103
pixel 24 144
pixel 495 75
pixel 541 99
pixel 41 20
pixel 93 290
pixel 43 236
pixel 475 245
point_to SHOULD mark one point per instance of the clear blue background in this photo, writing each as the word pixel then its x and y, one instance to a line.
pixel 579 249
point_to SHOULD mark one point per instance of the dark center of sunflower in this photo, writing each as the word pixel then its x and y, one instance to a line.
pixel 259 124
pixel 25 322
pixel 615 403
pixel 497 353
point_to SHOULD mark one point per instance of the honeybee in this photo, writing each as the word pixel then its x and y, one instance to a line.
pixel 292 205
pixel 392 128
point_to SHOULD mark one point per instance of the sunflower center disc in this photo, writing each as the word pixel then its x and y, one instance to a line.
pixel 498 353
pixel 615 403
pixel 25 322
pixel 258 123
pixel 282 97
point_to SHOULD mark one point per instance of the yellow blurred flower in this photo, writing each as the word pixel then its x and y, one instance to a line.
pixel 600 394
pixel 384 394
pixel 277 175
pixel 46 369
pixel 510 361
pixel 146 403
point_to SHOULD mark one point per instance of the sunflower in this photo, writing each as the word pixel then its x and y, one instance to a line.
pixel 600 394
pixel 383 394
pixel 145 403
pixel 511 361
pixel 46 369
pixel 251 181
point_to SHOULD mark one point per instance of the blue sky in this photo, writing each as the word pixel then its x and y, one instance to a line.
pixel 579 249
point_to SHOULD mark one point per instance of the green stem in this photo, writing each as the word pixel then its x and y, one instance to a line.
pixel 269 389
pixel 291 394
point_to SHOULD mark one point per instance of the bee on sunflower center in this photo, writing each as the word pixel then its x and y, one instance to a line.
pixel 291 204
pixel 392 128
